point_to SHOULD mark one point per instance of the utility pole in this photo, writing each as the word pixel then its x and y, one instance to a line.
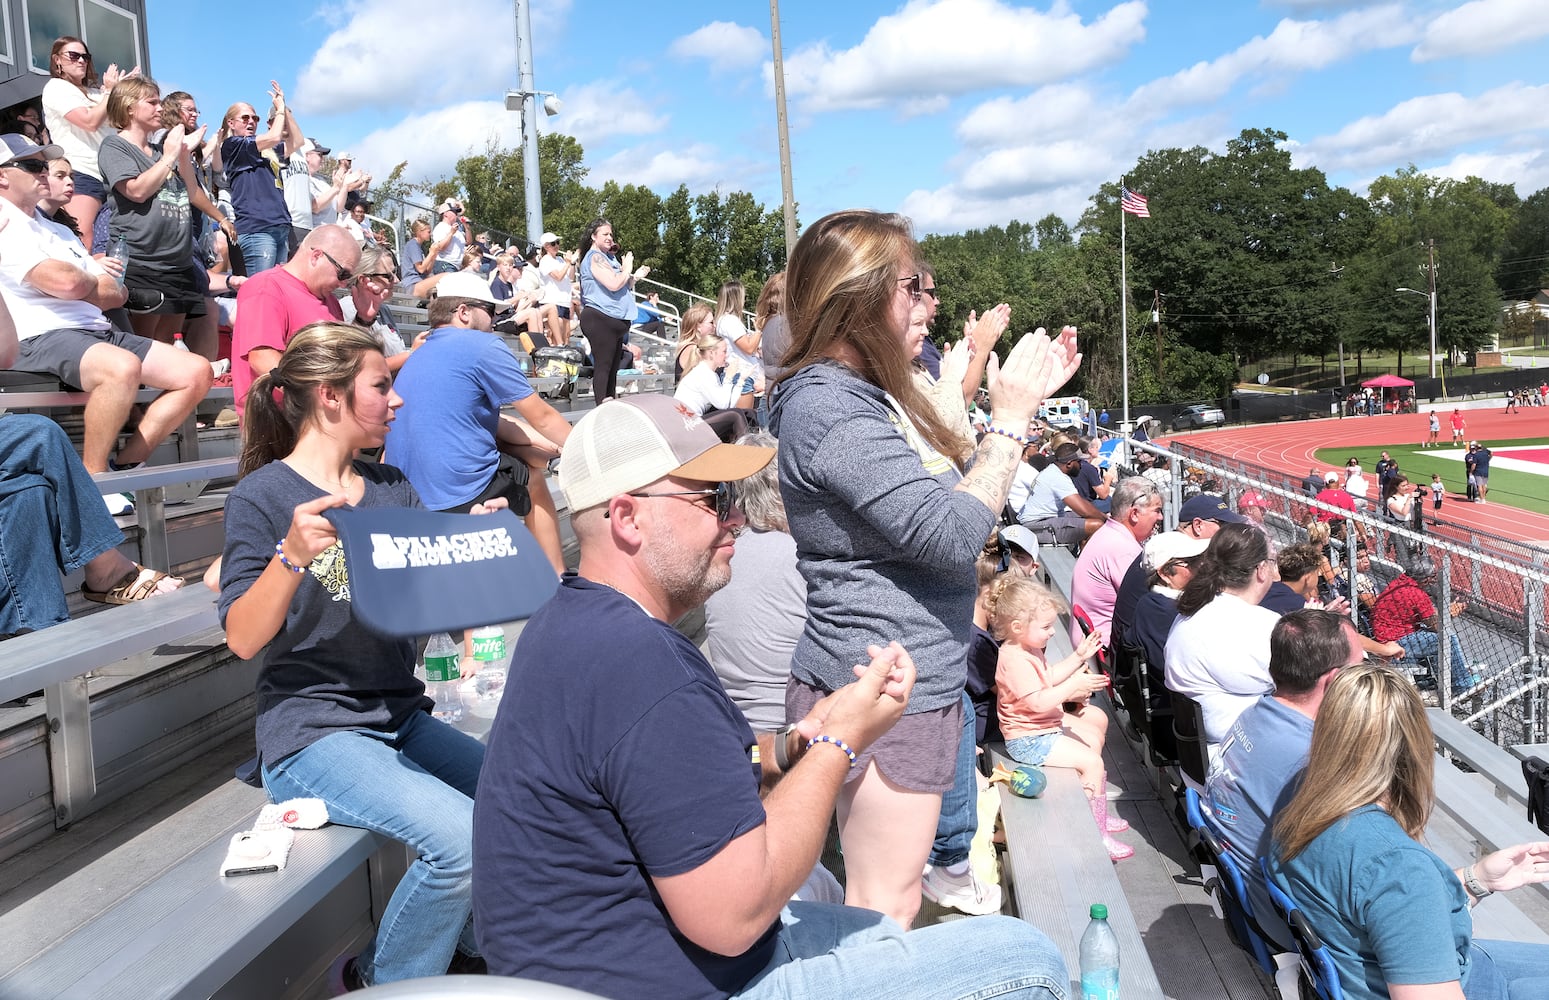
pixel 787 190
pixel 1431 247
pixel 533 191
pixel 1156 314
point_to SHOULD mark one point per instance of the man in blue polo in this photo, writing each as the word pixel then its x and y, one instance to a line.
pixel 620 844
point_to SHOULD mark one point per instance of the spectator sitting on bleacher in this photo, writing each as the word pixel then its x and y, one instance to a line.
pixel 56 293
pixel 1012 550
pixel 697 321
pixel 648 316
pixel 1405 613
pixel 341 716
pixel 54 523
pixel 51 207
pixel 417 269
pixel 1267 746
pixel 153 191
pixel 1045 708
pixel 450 239
pixel 275 304
pixel 1092 482
pixel 1167 565
pixel 252 167
pixel 521 312
pixel 716 391
pixel 1347 848
pixel 1218 650
pixel 1200 517
pixel 452 441
pixel 1055 511
pixel 366 306
pixel 670 862
pixel 1109 553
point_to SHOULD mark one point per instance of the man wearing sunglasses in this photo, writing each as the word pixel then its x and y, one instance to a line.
pixel 619 801
pixel 57 294
pixel 272 305
pixel 451 439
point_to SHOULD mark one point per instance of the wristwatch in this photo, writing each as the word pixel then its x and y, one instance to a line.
pixel 1472 884
pixel 781 741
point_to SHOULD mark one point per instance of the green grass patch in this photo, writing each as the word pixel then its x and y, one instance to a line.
pixel 1507 486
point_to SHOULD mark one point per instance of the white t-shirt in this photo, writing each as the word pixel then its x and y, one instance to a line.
pixel 316 188
pixel 24 243
pixel 452 253
pixel 730 328
pixel 60 97
pixel 1219 656
pixel 298 190
pixel 556 280
pixel 701 389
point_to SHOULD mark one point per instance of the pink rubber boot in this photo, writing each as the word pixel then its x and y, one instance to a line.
pixel 1117 849
pixel 1115 824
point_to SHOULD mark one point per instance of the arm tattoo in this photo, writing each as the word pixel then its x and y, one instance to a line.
pixel 990 471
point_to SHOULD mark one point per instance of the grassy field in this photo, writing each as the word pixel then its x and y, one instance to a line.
pixel 1518 489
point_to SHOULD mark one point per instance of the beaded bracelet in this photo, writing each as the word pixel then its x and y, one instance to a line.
pixel 279 550
pixel 1020 439
pixel 841 744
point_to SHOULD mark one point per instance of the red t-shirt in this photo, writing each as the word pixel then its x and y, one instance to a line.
pixel 1336 497
pixel 271 307
pixel 1457 421
pixel 1399 608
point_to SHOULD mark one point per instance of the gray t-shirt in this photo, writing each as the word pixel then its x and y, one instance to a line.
pixel 775 342
pixel 158 230
pixel 754 623
pixel 324 671
pixel 887 547
pixel 1048 493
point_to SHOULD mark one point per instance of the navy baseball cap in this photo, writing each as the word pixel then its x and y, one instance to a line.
pixel 1209 507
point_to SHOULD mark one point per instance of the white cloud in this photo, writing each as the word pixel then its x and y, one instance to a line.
pixel 1527 169
pixel 948 209
pixel 724 45
pixel 933 49
pixel 1481 26
pixel 698 165
pixel 1426 127
pixel 1294 46
pixel 1057 110
pixel 601 110
pixel 365 63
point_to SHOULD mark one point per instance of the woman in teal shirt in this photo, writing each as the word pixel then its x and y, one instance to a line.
pixel 1394 915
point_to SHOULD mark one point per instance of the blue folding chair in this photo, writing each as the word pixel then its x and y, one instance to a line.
pixel 1228 887
pixel 1317 963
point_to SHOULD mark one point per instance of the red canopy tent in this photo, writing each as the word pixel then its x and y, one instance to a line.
pixel 1386 382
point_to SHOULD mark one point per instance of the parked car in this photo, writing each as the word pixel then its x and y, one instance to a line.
pixel 1198 415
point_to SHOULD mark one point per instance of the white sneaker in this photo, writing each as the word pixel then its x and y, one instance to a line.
pixel 964 893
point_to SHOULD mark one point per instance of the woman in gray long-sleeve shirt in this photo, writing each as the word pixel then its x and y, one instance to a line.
pixel 886 529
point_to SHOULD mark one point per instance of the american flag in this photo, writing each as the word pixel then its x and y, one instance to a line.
pixel 1134 204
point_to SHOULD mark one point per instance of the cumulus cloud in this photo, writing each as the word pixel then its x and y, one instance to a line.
pixel 1294 46
pixel 950 209
pixel 1527 169
pixel 934 49
pixel 699 165
pixel 1481 26
pixel 726 46
pixel 365 63
pixel 1057 110
pixel 601 110
pixel 1426 127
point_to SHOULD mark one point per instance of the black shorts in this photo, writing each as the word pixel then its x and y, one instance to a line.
pixel 509 481
pixel 181 290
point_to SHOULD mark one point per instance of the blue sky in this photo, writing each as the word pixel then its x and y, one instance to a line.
pixel 960 113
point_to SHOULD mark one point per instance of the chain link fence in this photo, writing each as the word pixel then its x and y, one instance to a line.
pixel 1489 591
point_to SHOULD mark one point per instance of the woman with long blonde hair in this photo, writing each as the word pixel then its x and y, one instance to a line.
pixel 714 389
pixel 1347 848
pixel 697 320
pixel 887 529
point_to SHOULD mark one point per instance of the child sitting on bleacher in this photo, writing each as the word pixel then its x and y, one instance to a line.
pixel 1044 710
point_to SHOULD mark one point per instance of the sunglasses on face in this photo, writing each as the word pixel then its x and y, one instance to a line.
pixel 245 118
pixel 376 277
pixel 31 166
pixel 911 285
pixel 70 56
pixel 722 494
pixel 934 292
pixel 339 269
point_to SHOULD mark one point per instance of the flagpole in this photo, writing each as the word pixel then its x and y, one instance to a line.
pixel 1124 302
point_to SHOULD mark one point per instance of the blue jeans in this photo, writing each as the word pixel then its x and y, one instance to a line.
pixel 51 518
pixel 416 786
pixel 960 805
pixel 842 951
pixel 264 248
pixel 1423 646
pixel 1507 970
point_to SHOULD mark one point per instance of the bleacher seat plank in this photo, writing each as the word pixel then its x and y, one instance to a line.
pixel 1494 762
pixel 1469 800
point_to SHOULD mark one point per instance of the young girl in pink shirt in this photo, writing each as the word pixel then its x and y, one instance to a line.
pixel 1032 695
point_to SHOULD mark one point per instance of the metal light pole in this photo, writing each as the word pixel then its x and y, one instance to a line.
pixel 788 196
pixel 523 100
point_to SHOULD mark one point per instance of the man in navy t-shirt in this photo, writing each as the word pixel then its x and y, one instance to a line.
pixel 1482 456
pixel 620 842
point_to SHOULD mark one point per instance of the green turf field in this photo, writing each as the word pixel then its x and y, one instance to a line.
pixel 1518 489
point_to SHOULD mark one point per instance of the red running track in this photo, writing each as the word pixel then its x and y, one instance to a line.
pixel 1291 448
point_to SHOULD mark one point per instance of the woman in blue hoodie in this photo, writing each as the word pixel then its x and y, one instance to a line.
pixel 887 529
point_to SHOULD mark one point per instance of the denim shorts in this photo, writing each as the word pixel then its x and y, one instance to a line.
pixel 91 187
pixel 1031 749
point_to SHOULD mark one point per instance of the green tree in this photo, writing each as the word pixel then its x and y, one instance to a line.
pixel 1523 268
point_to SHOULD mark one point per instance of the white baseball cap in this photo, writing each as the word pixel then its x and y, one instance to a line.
pixel 548 238
pixel 465 285
pixel 1163 548
pixel 626 444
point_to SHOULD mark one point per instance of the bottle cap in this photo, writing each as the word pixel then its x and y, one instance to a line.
pixel 1099 911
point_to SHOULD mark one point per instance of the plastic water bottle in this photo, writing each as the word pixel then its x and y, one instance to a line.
pixel 1099 958
pixel 119 251
pixel 441 675
pixel 177 342
pixel 481 692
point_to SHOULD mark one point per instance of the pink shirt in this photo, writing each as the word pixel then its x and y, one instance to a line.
pixel 1100 569
pixel 1020 674
pixel 271 307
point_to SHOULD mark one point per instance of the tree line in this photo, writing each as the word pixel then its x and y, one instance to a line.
pixel 1245 256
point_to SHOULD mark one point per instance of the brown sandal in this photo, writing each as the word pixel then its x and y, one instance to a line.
pixel 135 585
